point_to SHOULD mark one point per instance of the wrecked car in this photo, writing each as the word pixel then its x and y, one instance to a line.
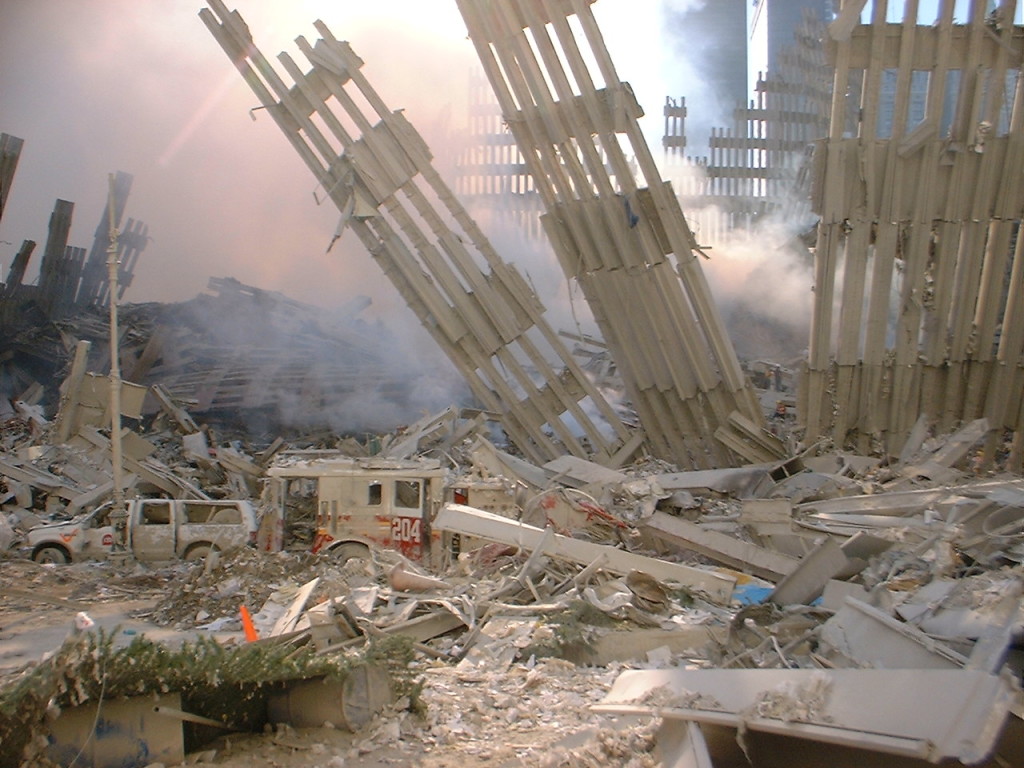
pixel 156 529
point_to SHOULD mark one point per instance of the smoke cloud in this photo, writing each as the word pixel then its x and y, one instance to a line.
pixel 105 85
pixel 96 86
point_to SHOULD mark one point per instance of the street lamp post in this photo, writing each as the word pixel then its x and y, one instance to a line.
pixel 118 515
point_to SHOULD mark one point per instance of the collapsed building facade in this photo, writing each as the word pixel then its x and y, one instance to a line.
pixel 688 388
pixel 894 341
pixel 918 281
pixel 73 282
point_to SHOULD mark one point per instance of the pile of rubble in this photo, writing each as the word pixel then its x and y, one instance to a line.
pixel 783 584
pixel 210 597
pixel 803 605
pixel 244 360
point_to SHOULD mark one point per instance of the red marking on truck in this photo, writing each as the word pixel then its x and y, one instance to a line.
pixel 320 541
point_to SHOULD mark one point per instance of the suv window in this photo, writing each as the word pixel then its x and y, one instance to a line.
pixel 158 513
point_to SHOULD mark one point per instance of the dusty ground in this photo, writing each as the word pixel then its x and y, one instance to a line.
pixel 530 714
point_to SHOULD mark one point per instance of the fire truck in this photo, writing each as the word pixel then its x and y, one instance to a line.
pixel 363 503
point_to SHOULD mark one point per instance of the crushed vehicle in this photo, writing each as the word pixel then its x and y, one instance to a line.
pixel 156 529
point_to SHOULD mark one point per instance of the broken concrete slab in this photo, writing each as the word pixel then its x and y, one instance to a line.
pixel 993 647
pixel 289 620
pixel 458 518
pixel 490 461
pixel 770 524
pixel 833 597
pixel 6 533
pixel 967 608
pixel 184 421
pixel 65 420
pixel 427 626
pixel 148 470
pixel 741 482
pixel 23 472
pixel 808 580
pixel 859 549
pixel 846 464
pixel 907 502
pixel 636 643
pixel 580 473
pixel 416 436
pixel 135 446
pixel 914 440
pixel 94 497
pixel 751 439
pixel 196 446
pixel 867 637
pixel 497 643
pixel 807 486
pixel 682 746
pixel 436 434
pixel 956 446
pixel 94 395
pixel 928 714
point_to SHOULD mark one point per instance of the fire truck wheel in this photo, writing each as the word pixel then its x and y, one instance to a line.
pixel 350 550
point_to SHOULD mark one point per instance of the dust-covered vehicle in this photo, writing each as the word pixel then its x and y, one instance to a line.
pixel 367 502
pixel 362 503
pixel 157 529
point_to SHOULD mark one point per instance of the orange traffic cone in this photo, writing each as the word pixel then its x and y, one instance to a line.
pixel 247 627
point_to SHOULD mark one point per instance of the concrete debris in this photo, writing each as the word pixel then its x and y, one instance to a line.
pixel 636 568
pixel 457 518
pixel 721 547
pixel 861 635
pixel 648 569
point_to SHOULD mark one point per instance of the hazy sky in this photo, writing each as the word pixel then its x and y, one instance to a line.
pixel 141 86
